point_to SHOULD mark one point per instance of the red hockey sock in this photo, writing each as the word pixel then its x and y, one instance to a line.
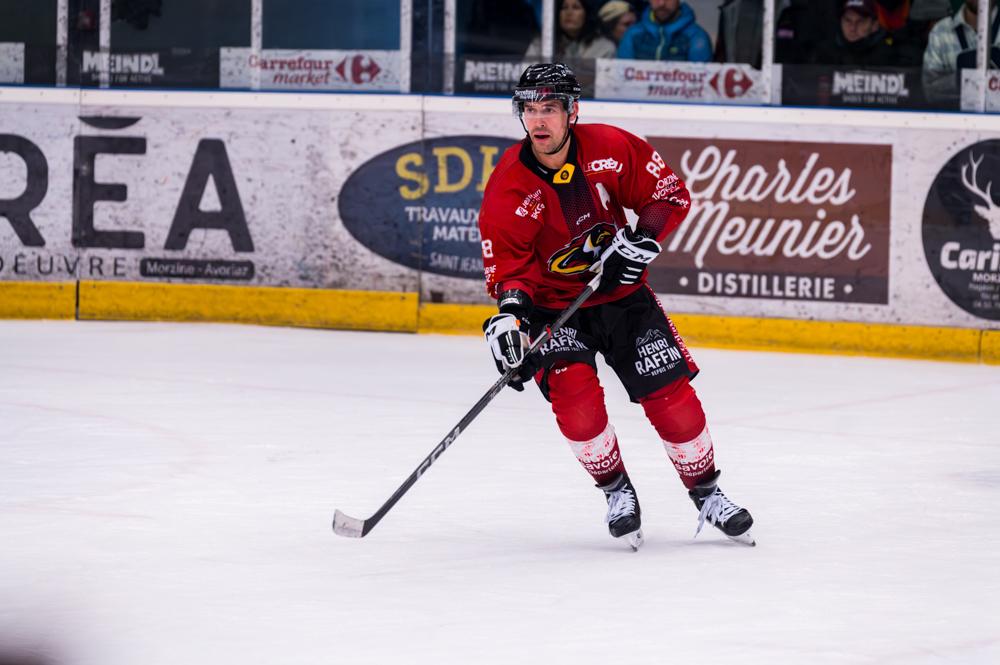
pixel 676 413
pixel 578 404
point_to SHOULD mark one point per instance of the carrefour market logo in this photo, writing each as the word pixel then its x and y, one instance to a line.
pixel 961 229
pixel 418 204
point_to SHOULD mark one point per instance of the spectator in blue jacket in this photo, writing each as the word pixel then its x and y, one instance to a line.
pixel 667 31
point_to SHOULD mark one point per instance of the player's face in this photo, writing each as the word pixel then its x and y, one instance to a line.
pixel 547 124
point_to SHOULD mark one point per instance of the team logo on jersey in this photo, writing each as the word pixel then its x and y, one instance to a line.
pixel 582 251
pixel 564 175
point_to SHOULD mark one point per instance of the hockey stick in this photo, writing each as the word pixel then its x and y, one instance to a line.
pixel 352 527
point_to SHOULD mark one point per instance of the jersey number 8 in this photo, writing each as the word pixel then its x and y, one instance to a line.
pixel 655 164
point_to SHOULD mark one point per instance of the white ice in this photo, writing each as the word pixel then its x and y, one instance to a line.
pixel 166 492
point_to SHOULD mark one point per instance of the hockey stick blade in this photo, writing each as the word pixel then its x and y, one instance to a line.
pixel 347 526
pixel 351 527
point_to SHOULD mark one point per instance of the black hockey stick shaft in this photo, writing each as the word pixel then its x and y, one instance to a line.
pixel 345 525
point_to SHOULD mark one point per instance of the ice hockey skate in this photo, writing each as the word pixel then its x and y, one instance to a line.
pixel 623 511
pixel 715 508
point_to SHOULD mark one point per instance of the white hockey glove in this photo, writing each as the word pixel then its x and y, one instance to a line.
pixel 507 336
pixel 507 342
pixel 626 258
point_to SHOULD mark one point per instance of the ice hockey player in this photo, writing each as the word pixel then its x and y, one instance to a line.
pixel 552 215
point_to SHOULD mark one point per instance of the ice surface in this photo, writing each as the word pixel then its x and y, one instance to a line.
pixel 166 493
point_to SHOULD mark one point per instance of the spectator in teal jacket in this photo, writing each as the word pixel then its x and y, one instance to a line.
pixel 667 31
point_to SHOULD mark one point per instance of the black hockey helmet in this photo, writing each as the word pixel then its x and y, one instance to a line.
pixel 546 81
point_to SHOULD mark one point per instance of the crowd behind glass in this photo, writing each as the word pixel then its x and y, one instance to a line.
pixel 932 39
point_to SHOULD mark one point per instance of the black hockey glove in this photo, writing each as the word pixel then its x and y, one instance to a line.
pixel 507 336
pixel 626 258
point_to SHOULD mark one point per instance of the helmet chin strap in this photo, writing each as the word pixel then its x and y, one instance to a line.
pixel 569 129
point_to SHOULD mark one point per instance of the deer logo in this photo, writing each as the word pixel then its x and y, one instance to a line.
pixel 991 211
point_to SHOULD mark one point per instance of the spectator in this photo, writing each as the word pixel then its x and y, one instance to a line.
pixel 861 40
pixel 616 17
pixel 952 48
pixel 666 31
pixel 741 28
pixel 579 34
pixel 892 14
pixel 907 23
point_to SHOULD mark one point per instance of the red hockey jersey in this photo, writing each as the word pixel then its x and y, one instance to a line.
pixel 543 228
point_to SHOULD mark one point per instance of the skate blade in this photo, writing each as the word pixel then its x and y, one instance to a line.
pixel 634 540
pixel 745 538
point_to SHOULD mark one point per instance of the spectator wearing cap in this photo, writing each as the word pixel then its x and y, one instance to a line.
pixel 616 18
pixel 579 34
pixel 861 41
pixel 952 48
pixel 666 31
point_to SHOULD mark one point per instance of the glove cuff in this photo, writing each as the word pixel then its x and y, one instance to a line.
pixel 516 302
pixel 638 234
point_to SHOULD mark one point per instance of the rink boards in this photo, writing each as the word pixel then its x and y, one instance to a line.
pixel 361 310
pixel 818 230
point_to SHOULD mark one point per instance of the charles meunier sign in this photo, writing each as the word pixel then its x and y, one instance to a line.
pixel 779 220
pixel 961 229
pixel 876 87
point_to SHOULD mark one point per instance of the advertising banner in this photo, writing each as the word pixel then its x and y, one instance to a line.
pixel 280 69
pixel 418 204
pixel 780 219
pixel 793 216
pixel 857 87
pixel 166 68
pixel 971 95
pixel 219 195
pixel 671 81
pixel 484 75
pixel 11 62
pixel 961 229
